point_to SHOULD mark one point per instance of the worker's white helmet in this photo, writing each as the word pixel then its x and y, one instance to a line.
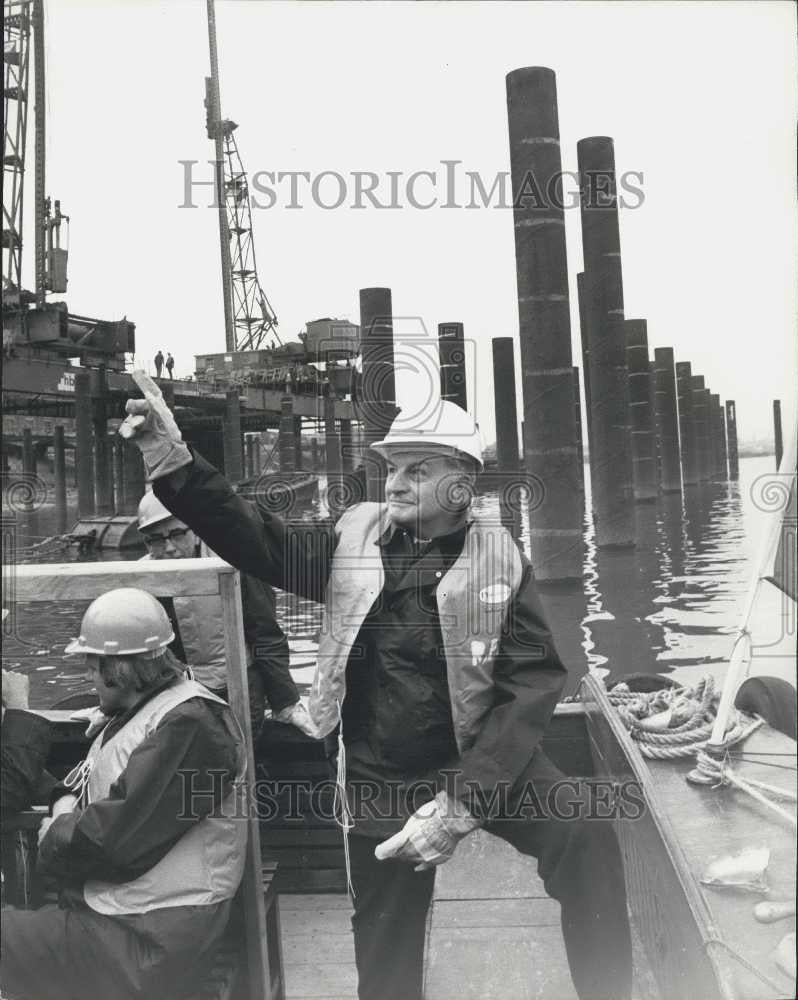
pixel 151 510
pixel 123 622
pixel 445 428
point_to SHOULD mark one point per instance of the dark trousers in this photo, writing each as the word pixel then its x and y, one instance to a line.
pixel 581 867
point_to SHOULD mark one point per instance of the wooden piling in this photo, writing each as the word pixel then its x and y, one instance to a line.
pixel 232 440
pixel 724 447
pixel 641 417
pixel 84 445
pixel 314 453
pixel 778 437
pixel 286 440
pixel 611 464
pixel 550 446
pixel 718 434
pixel 688 444
pixel 667 420
pixel 378 393
pixel 104 499
pixel 59 479
pixel 451 356
pixel 731 437
pixel 332 443
pixel 111 462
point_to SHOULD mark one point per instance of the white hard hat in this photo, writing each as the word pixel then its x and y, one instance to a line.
pixel 123 622
pixel 445 428
pixel 151 510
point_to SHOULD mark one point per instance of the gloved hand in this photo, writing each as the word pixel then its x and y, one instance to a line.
pixel 431 835
pixel 65 804
pixel 154 432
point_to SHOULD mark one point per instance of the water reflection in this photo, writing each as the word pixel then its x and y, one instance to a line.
pixel 670 602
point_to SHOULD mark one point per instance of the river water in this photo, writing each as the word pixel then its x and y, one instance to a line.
pixel 669 605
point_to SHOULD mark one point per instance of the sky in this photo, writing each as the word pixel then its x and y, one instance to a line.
pixel 699 97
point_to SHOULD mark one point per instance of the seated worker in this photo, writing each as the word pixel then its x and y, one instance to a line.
pixel 436 662
pixel 201 630
pixel 146 840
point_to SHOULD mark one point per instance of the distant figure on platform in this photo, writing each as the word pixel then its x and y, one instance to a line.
pixel 170 363
pixel 158 364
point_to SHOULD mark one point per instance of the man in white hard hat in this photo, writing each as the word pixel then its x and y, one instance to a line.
pixel 143 837
pixel 201 627
pixel 436 662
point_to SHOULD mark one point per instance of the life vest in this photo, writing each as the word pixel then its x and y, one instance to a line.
pixel 201 625
pixel 206 864
pixel 472 597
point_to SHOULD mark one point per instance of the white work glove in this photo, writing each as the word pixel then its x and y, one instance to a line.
pixel 431 835
pixel 66 804
pixel 95 717
pixel 154 432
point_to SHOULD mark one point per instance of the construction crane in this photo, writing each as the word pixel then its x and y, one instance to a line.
pixel 23 25
pixel 248 315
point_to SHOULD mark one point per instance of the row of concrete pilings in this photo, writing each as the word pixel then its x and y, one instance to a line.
pixel 653 425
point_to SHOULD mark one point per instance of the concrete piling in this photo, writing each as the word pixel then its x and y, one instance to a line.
pixel 59 479
pixel 506 432
pixel 667 420
pixel 687 428
pixel 701 418
pixel 584 331
pixel 611 457
pixel 641 418
pixel 731 437
pixel 778 437
pixel 84 445
pixel 232 441
pixel 550 441
pixel 578 420
pixel 451 355
pixel 378 392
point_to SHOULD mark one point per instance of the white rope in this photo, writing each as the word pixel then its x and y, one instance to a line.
pixel 343 815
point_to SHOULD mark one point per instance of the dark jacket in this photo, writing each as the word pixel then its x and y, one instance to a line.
pixel 529 675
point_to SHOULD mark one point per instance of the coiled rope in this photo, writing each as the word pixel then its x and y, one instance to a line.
pixel 687 717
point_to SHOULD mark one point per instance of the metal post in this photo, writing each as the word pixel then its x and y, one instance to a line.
pixel 378 396
pixel 641 417
pixel 731 434
pixel 451 355
pixel 667 420
pixel 778 438
pixel 134 477
pixel 59 477
pixel 231 437
pixel 286 444
pixel 347 446
pixel 687 427
pixel 105 504
pixel 119 473
pixel 84 444
pixel 297 432
pixel 40 118
pixel 550 447
pixel 611 458
pixel 333 458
